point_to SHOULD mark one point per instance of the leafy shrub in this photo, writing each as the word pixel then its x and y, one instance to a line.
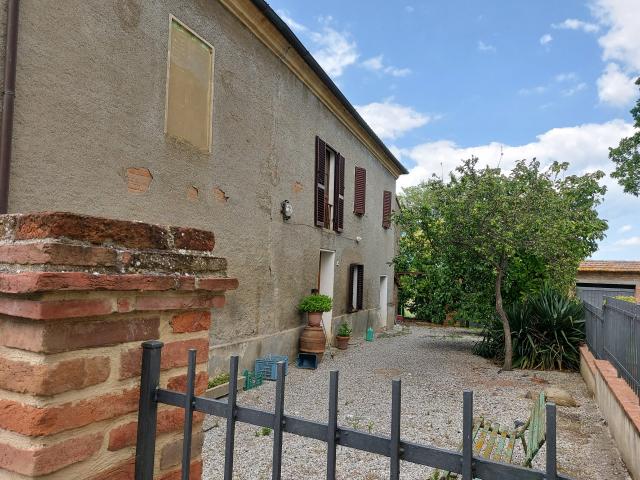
pixel 626 298
pixel 219 380
pixel 315 303
pixel 344 330
pixel 546 331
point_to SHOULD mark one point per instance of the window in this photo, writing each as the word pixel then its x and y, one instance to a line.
pixel 189 101
pixel 386 209
pixel 329 191
pixel 360 190
pixel 356 287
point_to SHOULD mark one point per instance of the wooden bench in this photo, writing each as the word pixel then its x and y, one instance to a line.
pixel 495 442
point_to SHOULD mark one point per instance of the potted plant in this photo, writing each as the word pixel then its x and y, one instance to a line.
pixel 314 305
pixel 343 336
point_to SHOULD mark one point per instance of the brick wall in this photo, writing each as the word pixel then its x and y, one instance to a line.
pixel 78 295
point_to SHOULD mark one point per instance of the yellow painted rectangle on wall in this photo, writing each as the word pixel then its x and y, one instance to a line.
pixel 189 87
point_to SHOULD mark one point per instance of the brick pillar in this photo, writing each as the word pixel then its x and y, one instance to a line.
pixel 78 295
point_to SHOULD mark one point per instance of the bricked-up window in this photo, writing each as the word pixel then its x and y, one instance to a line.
pixel 329 187
pixel 386 209
pixel 356 287
pixel 189 103
pixel 360 190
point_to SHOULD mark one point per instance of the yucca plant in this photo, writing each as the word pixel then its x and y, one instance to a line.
pixel 546 332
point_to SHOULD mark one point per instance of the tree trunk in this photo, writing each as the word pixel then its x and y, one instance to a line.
pixel 508 349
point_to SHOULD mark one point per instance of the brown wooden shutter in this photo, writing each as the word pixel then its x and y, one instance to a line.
pixel 352 272
pixel 356 271
pixel 321 160
pixel 360 190
pixel 338 194
pixel 360 292
pixel 386 209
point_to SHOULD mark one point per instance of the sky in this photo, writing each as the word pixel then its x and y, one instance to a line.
pixel 501 80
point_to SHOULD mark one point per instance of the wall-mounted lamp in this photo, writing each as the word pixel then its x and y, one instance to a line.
pixel 286 209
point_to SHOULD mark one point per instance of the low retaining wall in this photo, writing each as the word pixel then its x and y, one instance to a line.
pixel 619 405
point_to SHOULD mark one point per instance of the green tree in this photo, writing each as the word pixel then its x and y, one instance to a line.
pixel 486 230
pixel 626 156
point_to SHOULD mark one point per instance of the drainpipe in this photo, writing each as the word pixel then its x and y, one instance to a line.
pixel 6 130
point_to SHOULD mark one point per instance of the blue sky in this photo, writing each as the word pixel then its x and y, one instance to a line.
pixel 502 80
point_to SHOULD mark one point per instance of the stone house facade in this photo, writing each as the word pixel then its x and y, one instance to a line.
pixel 209 115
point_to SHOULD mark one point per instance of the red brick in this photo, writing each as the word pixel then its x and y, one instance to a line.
pixel 179 302
pixel 179 383
pixel 124 471
pixel 174 355
pixel 51 458
pixel 55 309
pixel 51 379
pixel 169 420
pixel 36 421
pixel 216 284
pixel 90 229
pixel 57 254
pixel 53 337
pixel 30 282
pixel 195 472
pixel 191 322
pixel 193 239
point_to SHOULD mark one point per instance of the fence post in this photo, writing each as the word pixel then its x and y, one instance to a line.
pixel 395 429
pixel 148 410
pixel 467 433
pixel 278 424
pixel 188 415
pixel 332 425
pixel 552 472
pixel 231 417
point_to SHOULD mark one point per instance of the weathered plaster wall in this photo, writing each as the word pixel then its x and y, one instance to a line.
pixel 91 104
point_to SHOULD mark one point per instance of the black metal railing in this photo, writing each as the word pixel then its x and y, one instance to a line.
pixel 331 433
pixel 613 334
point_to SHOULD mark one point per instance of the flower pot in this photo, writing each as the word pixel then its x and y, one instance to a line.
pixel 222 390
pixel 313 340
pixel 342 342
pixel 315 319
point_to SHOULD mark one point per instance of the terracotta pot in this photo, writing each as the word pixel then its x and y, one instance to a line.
pixel 342 342
pixel 313 340
pixel 315 319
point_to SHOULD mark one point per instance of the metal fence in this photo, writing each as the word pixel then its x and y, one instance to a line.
pixel 613 333
pixel 331 433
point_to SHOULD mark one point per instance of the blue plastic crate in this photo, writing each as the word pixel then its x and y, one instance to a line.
pixel 268 366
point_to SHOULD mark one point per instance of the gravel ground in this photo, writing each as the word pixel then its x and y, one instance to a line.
pixel 435 365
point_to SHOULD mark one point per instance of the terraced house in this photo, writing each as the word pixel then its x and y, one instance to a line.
pixel 206 114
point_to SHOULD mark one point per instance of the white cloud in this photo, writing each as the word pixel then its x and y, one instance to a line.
pixel 625 228
pixel 621 42
pixel 376 64
pixel 575 24
pixel 629 242
pixel 585 147
pixel 391 120
pixel 569 92
pixel 566 77
pixel 615 87
pixel 409 9
pixel 546 39
pixel 333 50
pixel 485 47
pixel 537 90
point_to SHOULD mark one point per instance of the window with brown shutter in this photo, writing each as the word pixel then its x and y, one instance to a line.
pixel 360 190
pixel 320 196
pixel 356 287
pixel 338 194
pixel 386 209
